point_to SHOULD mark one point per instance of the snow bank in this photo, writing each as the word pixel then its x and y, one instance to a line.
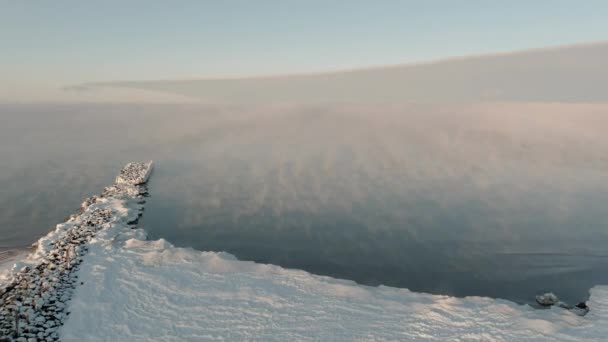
pixel 136 290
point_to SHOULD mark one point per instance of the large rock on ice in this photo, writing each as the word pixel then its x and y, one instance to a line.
pixel 547 299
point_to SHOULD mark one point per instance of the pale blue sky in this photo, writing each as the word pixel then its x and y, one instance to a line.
pixel 65 42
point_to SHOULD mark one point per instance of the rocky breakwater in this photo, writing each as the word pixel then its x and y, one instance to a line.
pixel 34 303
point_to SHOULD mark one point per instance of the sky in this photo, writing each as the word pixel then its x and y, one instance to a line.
pixel 46 44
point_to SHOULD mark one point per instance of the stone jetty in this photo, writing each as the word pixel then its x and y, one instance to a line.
pixel 34 304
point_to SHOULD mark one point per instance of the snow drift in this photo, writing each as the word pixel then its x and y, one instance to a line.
pixel 138 290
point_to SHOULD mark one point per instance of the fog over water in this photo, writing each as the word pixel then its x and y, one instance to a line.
pixel 494 199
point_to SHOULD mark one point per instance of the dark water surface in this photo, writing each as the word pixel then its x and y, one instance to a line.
pixel 495 200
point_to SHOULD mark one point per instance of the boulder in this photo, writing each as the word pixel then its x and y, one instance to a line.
pixel 547 299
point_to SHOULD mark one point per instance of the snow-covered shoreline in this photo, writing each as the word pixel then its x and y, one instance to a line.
pixel 138 290
pixel 7 259
pixel 119 286
pixel 35 293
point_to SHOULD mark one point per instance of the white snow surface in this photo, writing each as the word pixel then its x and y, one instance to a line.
pixel 138 290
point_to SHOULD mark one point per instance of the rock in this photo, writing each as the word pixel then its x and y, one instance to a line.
pixel 580 309
pixel 547 299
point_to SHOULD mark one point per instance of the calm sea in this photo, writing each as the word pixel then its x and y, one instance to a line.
pixel 495 200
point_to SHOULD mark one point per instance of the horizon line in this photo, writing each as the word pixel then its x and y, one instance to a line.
pixel 434 61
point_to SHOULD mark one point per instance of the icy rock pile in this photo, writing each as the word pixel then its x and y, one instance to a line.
pixel 134 173
pixel 33 305
pixel 550 299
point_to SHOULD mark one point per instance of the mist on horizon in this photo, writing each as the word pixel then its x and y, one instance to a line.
pixel 566 74
pixel 52 50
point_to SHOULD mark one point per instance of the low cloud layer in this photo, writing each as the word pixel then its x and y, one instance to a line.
pixel 568 74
